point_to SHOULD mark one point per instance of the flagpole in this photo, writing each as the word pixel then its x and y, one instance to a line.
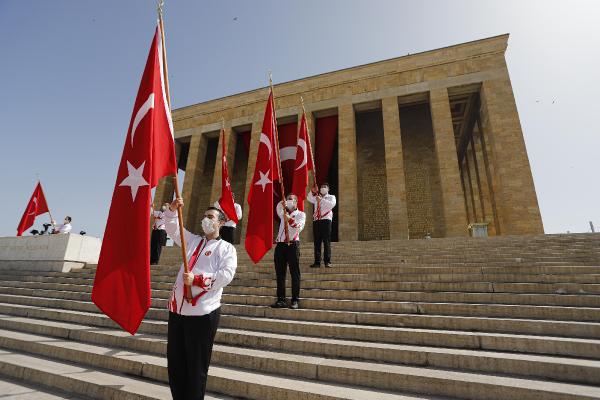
pixel 188 290
pixel 314 167
pixel 42 189
pixel 285 222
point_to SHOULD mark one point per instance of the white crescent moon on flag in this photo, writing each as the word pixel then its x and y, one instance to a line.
pixel 35 201
pixel 148 104
pixel 302 143
pixel 265 139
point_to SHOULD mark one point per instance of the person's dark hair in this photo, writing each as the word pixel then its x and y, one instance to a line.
pixel 221 214
pixel 69 218
pixel 324 184
pixel 293 195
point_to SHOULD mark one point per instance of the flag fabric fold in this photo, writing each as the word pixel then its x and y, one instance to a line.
pixel 37 206
pixel 122 282
pixel 304 163
pixel 226 200
pixel 259 233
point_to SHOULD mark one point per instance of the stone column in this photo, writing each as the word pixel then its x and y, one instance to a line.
pixel 518 208
pixel 473 188
pixel 193 176
pixel 215 192
pixel 166 186
pixel 394 164
pixel 347 172
pixel 253 153
pixel 489 207
pixel 453 206
pixel 307 233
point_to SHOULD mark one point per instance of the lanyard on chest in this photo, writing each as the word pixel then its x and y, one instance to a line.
pixel 192 264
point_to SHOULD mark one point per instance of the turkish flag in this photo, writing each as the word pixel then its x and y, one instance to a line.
pixel 37 206
pixel 304 163
pixel 226 201
pixel 122 283
pixel 259 234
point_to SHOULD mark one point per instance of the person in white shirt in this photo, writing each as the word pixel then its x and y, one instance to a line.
pixel 63 228
pixel 322 219
pixel 287 250
pixel 193 324
pixel 227 231
pixel 159 236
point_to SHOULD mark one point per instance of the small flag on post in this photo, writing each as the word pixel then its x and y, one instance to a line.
pixel 37 206
pixel 304 163
pixel 226 200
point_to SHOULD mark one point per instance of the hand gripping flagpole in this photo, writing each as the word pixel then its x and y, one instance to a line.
pixel 285 221
pixel 187 289
pixel 314 167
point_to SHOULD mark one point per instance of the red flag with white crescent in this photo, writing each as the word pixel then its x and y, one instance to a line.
pixel 304 163
pixel 122 283
pixel 259 234
pixel 37 206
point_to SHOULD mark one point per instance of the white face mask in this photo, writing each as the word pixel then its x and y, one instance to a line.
pixel 290 204
pixel 164 208
pixel 324 191
pixel 208 226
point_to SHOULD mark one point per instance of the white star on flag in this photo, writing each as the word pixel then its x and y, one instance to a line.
pixel 227 184
pixel 134 178
pixel 264 180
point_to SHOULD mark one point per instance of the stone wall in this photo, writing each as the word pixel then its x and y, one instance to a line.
pixel 373 219
pixel 423 196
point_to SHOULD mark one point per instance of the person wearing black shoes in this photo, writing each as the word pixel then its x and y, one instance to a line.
pixel 322 219
pixel 287 250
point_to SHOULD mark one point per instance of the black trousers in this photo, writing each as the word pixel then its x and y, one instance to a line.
pixel 287 255
pixel 227 233
pixel 189 348
pixel 157 241
pixel 322 235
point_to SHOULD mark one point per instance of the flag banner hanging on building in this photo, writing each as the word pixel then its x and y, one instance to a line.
pixel 259 233
pixel 226 200
pixel 304 163
pixel 37 206
pixel 122 283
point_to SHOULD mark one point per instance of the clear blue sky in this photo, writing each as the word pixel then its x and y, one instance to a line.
pixel 69 72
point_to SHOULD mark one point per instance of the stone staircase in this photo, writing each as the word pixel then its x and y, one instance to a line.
pixel 489 319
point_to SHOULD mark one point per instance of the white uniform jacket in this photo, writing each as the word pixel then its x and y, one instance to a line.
pixel 295 224
pixel 324 210
pixel 214 269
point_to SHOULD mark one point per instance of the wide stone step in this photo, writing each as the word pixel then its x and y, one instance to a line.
pixel 402 277
pixel 235 352
pixel 311 371
pixel 578 300
pixel 467 323
pixel 480 287
pixel 14 389
pixel 231 382
pixel 361 306
pixel 542 344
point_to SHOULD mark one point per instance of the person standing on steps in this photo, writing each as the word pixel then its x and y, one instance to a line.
pixel 322 219
pixel 193 325
pixel 158 237
pixel 287 250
